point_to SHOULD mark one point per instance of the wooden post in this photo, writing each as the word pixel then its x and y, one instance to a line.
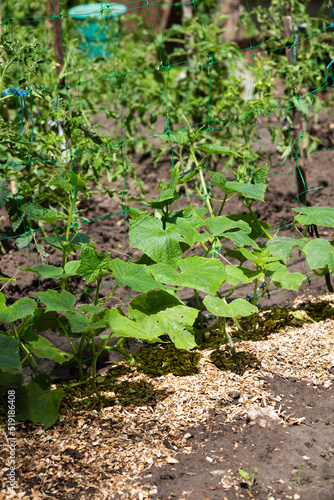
pixel 296 114
pixel 165 14
pixel 187 13
pixel 230 8
pixel 58 42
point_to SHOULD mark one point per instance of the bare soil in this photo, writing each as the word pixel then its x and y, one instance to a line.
pixel 292 461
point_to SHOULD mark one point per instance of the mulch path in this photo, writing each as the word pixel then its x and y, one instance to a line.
pixel 186 436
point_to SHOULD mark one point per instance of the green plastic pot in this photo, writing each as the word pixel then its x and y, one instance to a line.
pixel 97 22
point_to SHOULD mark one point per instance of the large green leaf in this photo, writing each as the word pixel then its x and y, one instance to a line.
pixel 162 245
pixel 23 241
pixel 282 246
pixel 75 241
pixel 194 215
pixel 20 309
pixel 319 254
pixel 200 273
pixel 46 271
pixel 256 225
pixel 238 308
pixel 188 232
pixel 240 239
pixel 237 274
pixel 163 313
pixel 39 213
pixel 260 175
pixel 40 322
pixel 260 257
pixel 247 190
pixel 37 402
pixel 221 224
pixel 14 165
pixel 320 216
pixel 125 327
pixel 181 137
pixel 93 266
pixel 13 206
pixel 212 149
pixel 42 348
pixel 67 181
pixel 166 196
pixel 80 323
pixel 282 278
pixel 57 301
pixel 11 374
pixel 53 272
pixel 2 301
pixel 135 276
pixel 188 175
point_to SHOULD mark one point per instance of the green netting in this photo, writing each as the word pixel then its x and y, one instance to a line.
pixel 87 100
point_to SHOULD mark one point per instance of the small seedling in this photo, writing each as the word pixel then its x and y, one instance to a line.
pixel 298 475
pixel 249 480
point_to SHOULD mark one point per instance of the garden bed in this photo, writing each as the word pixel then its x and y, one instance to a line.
pixel 186 435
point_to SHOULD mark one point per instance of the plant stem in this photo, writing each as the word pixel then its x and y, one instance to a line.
pixel 328 283
pixel 231 292
pixel 110 295
pixel 255 299
pixel 68 338
pixel 78 355
pixel 98 283
pixel 8 63
pixel 95 356
pixel 222 205
pixel 228 338
pixel 261 229
pixel 70 215
pixel 28 355
pixel 205 192
pixel 237 324
pixel 199 307
pixel 264 290
pixel 206 196
pixel 204 330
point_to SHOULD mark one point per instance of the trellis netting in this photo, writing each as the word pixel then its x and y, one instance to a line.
pixel 93 95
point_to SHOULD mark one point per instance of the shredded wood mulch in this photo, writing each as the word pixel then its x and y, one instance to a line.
pixel 102 453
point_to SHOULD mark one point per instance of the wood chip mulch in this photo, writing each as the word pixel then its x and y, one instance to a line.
pixel 97 453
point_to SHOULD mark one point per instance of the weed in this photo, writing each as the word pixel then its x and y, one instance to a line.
pixel 250 480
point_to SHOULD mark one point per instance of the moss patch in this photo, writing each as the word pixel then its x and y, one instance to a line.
pixel 167 358
pixel 223 359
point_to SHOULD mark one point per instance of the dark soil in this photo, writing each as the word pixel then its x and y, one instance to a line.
pixel 293 462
